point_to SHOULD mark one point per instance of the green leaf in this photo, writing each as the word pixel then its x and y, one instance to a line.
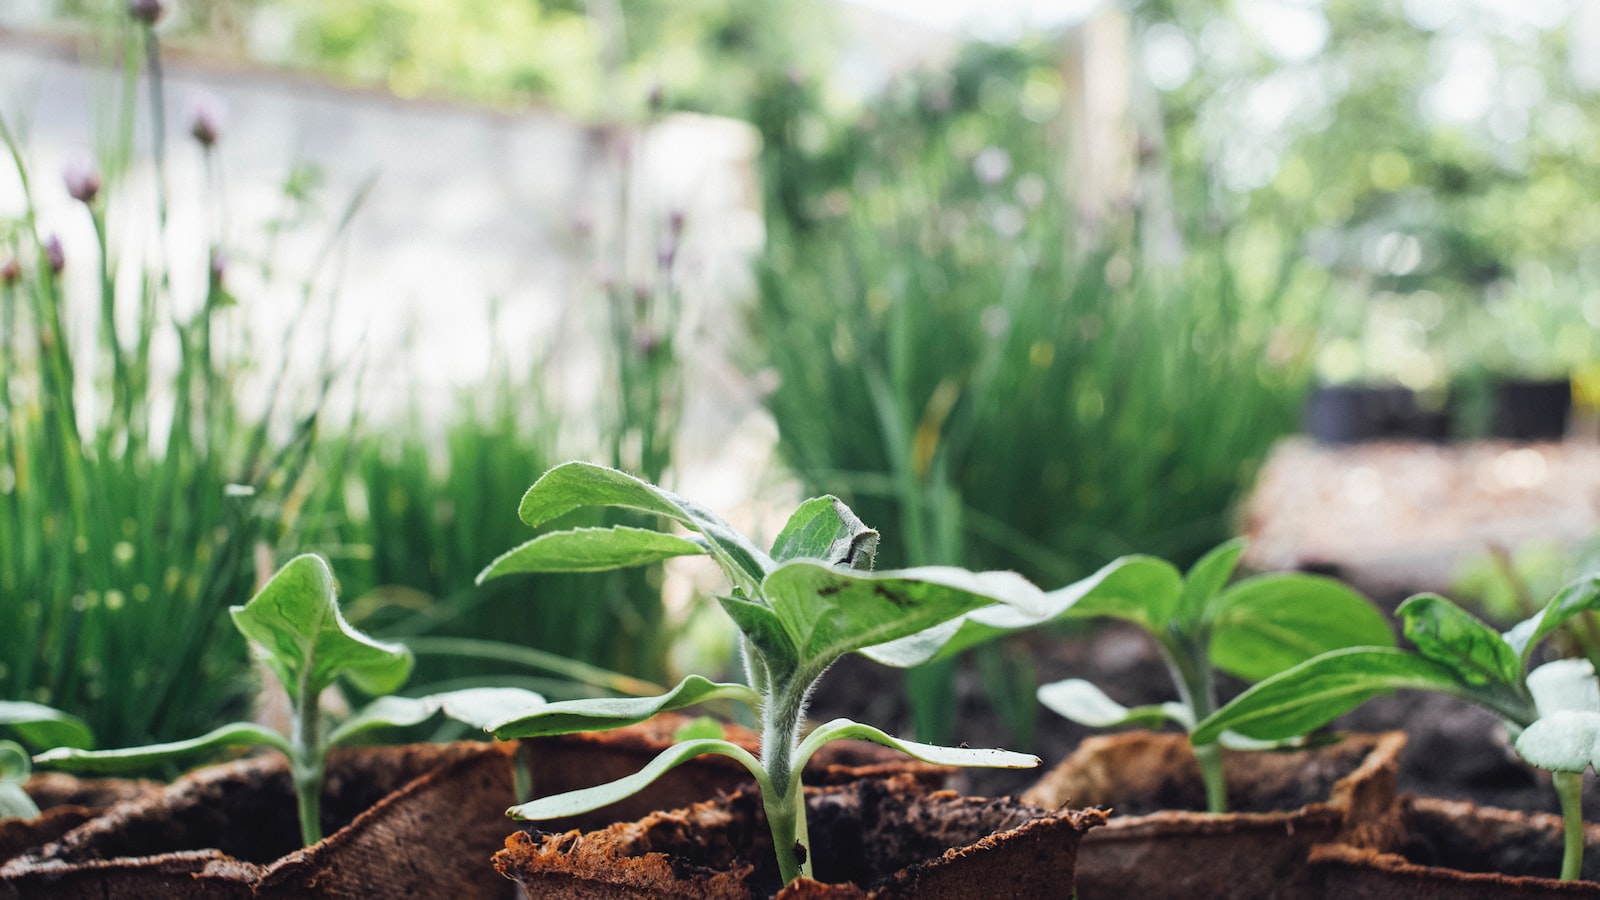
pixel 1142 589
pixel 43 727
pixel 1117 586
pixel 1563 741
pixel 1580 596
pixel 575 485
pixel 603 713
pixel 1082 702
pixel 486 706
pixel 1267 623
pixel 697 729
pixel 764 632
pixel 296 622
pixel 591 550
pixel 1205 579
pixel 574 803
pixel 106 762
pixel 1448 634
pixel 1086 704
pixel 14 770
pixel 840 729
pixel 828 612
pixel 1564 685
pixel 823 528
pixel 1321 689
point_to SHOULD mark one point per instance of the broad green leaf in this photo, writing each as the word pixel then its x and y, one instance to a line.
pixel 296 621
pixel 824 528
pixel 1142 589
pixel 1267 623
pixel 840 729
pixel 1116 586
pixel 1319 690
pixel 486 706
pixel 107 762
pixel 1580 596
pixel 43 727
pixel 591 550
pixel 577 802
pixel 1563 741
pixel 828 612
pixel 14 769
pixel 1448 634
pixel 575 485
pixel 764 632
pixel 1205 579
pixel 603 713
pixel 1564 685
pixel 1086 704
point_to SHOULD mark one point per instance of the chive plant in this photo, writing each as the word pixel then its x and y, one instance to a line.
pixel 1552 711
pixel 798 607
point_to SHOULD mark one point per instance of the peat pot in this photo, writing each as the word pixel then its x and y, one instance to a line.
pixel 870 838
pixel 1451 850
pixel 1158 844
pixel 417 821
pixel 65 802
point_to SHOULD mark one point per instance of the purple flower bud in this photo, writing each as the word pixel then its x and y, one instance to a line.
pixel 646 342
pixel 82 181
pixel 10 272
pixel 206 118
pixel 147 11
pixel 219 265
pixel 54 255
pixel 666 251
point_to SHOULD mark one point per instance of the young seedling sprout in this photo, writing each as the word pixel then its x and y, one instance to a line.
pixel 37 726
pixel 1552 712
pixel 295 626
pixel 1257 627
pixel 798 608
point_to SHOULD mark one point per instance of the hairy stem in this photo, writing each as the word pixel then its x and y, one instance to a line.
pixel 1196 687
pixel 1569 787
pixel 306 764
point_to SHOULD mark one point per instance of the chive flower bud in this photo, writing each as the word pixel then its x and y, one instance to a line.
pixel 206 117
pixel 146 11
pixel 54 255
pixel 82 181
pixel 10 272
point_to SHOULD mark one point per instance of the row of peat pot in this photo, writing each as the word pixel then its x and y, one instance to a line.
pixel 428 821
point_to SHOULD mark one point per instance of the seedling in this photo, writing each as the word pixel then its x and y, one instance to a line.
pixel 297 630
pixel 1552 712
pixel 39 726
pixel 1253 629
pixel 799 607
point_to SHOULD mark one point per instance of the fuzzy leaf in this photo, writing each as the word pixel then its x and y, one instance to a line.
pixel 296 622
pixel 1267 623
pixel 575 485
pixel 574 803
pixel 603 713
pixel 1086 704
pixel 828 612
pixel 764 633
pixel 1319 690
pixel 591 550
pixel 840 729
pixel 824 528
pixel 1117 586
pixel 1563 741
pixel 106 762
pixel 1580 596
pixel 1205 579
pixel 1564 685
pixel 1448 634
pixel 43 727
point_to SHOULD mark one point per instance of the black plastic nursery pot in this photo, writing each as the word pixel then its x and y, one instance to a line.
pixel 1158 844
pixel 416 821
pixel 1453 850
pixel 1531 410
pixel 875 838
pixel 1353 413
pixel 65 802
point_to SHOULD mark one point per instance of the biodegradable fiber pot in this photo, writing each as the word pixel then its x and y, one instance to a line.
pixel 418 821
pixel 1450 850
pixel 871 838
pixel 1283 802
pixel 65 802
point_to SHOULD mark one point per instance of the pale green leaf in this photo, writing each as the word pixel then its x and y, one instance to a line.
pixel 840 729
pixel 43 727
pixel 1204 580
pixel 576 485
pixel 825 529
pixel 295 620
pixel 486 706
pixel 577 802
pixel 1582 595
pixel 603 713
pixel 1448 634
pixel 1086 704
pixel 14 770
pixel 1267 623
pixel 591 550
pixel 131 759
pixel 1564 685
pixel 1563 741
